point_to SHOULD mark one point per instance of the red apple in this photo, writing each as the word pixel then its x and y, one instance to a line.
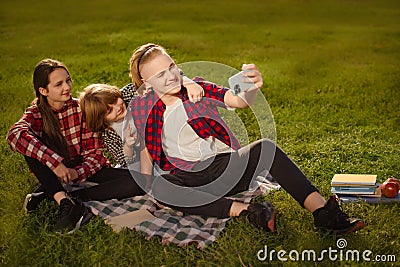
pixel 390 188
pixel 392 179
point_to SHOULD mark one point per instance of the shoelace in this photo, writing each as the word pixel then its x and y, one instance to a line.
pixel 337 207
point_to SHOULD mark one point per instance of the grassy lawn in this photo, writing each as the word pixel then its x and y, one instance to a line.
pixel 331 77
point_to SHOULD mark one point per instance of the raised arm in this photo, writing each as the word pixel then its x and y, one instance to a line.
pixel 245 99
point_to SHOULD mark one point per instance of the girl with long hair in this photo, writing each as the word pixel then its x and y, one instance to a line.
pixel 60 150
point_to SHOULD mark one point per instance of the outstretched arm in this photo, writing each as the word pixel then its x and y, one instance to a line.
pixel 245 99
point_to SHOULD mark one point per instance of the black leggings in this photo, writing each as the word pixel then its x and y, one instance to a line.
pixel 243 165
pixel 112 182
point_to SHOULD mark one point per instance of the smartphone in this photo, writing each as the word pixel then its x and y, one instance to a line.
pixel 239 83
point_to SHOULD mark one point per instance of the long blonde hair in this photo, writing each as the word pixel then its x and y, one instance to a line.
pixel 94 101
pixel 141 55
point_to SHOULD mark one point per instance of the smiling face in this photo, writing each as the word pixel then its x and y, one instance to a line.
pixel 163 75
pixel 59 88
pixel 117 111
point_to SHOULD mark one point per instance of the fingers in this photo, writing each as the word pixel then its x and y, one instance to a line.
pixel 63 173
pixel 200 96
pixel 131 140
pixel 135 138
pixel 128 131
pixel 65 178
pixel 194 90
pixel 68 177
pixel 191 99
pixel 195 98
pixel 251 72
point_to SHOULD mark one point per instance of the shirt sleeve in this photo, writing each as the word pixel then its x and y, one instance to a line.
pixel 128 93
pixel 24 137
pixel 138 109
pixel 92 154
pixel 212 92
pixel 113 143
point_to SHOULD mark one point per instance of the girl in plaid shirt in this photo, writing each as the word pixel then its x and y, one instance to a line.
pixel 205 158
pixel 60 150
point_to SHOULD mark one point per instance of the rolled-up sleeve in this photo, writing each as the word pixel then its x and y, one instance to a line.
pixel 92 154
pixel 25 139
pixel 212 92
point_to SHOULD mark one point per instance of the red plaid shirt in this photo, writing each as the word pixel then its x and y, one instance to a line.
pixel 24 137
pixel 204 118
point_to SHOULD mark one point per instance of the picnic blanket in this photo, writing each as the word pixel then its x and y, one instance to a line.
pixel 173 226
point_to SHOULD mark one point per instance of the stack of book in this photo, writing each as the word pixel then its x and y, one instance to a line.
pixel 363 185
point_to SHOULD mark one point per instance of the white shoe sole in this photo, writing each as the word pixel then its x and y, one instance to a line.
pixel 28 198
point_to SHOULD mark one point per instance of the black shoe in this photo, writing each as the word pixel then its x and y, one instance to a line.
pixel 72 215
pixel 33 199
pixel 331 219
pixel 262 215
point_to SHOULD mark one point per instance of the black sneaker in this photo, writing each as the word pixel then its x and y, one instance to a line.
pixel 32 200
pixel 72 215
pixel 262 215
pixel 331 219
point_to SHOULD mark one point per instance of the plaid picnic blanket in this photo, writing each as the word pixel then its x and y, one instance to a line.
pixel 173 226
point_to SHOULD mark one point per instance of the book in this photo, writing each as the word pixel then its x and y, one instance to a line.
pixel 377 193
pixel 129 219
pixel 354 180
pixel 371 200
pixel 354 190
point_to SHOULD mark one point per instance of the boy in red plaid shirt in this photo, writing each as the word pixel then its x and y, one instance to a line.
pixel 206 161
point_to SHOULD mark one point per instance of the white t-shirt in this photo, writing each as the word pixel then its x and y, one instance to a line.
pixel 179 140
pixel 118 128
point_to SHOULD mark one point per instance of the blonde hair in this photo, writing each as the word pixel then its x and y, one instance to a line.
pixel 141 55
pixel 94 101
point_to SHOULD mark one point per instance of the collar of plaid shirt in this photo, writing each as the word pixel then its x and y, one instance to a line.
pixel 203 116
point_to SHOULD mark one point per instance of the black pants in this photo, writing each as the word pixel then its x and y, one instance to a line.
pixel 228 174
pixel 112 182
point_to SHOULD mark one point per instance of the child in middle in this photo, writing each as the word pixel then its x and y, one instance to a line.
pixel 105 107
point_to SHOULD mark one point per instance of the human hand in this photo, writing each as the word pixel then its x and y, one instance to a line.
pixel 246 98
pixel 130 138
pixel 195 91
pixel 253 74
pixel 64 174
pixel 145 90
pixel 73 174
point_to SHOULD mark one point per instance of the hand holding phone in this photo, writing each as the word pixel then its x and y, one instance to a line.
pixel 239 83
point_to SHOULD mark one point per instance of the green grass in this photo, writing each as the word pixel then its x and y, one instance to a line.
pixel 331 76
